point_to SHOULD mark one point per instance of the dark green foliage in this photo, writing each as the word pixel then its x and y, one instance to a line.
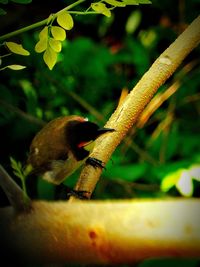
pixel 97 60
pixel 4 2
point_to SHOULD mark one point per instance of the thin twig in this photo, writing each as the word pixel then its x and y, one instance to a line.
pixel 21 113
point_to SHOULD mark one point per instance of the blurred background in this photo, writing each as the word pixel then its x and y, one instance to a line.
pixel 100 60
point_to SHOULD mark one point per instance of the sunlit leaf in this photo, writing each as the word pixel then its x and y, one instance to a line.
pixel 115 3
pixel 16 67
pixel 65 20
pixel 58 33
pixel 44 33
pixel 170 180
pixel 50 57
pixel 133 21
pixel 17 49
pixel 55 45
pixel 185 184
pixel 41 46
pixel 101 8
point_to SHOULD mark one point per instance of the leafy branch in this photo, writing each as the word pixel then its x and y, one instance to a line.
pixel 51 36
pixel 37 24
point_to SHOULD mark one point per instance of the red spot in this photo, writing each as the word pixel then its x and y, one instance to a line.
pixel 82 144
pixel 92 234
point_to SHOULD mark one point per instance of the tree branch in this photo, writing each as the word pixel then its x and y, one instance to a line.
pixel 98 232
pixel 128 113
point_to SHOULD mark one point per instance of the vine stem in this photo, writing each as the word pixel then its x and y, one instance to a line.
pixel 37 24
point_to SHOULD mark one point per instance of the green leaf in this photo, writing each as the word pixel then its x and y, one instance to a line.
pixel 22 1
pixel 101 8
pixel 4 2
pixel 2 12
pixel 170 180
pixel 58 33
pixel 115 3
pixel 17 168
pixel 17 48
pixel 50 57
pixel 16 67
pixel 44 33
pixel 55 45
pixel 133 21
pixel 28 169
pixel 19 172
pixel 41 46
pixel 65 20
pixel 127 172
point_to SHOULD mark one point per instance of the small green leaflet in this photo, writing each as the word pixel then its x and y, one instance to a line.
pixel 17 49
pixel 15 67
pixel 17 168
pixel 50 57
pixel 58 33
pixel 41 46
pixel 44 33
pixel 65 20
pixel 55 45
pixel 50 45
pixel 115 3
pixel 101 8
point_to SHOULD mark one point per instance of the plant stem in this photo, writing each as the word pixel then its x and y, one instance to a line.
pixel 16 196
pixel 37 24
